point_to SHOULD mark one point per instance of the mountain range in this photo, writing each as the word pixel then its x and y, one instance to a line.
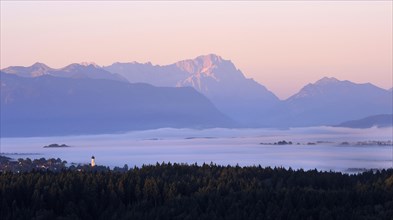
pixel 326 102
pixel 242 99
pixel 75 70
pixel 207 82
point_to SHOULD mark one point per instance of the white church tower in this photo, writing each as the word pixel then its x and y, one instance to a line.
pixel 93 162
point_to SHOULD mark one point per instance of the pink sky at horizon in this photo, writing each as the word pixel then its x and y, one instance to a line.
pixel 282 45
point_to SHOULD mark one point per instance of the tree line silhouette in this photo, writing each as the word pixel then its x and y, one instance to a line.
pixel 208 191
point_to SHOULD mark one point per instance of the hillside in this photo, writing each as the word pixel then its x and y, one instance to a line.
pixel 50 105
pixel 368 122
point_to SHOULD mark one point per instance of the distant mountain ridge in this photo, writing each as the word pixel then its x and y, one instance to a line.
pixel 75 70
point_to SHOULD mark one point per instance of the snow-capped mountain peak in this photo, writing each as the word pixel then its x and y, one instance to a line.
pixel 201 64
pixel 326 80
pixel 90 63
pixel 83 66
pixel 209 60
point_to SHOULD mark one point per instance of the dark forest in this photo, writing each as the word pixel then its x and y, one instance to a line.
pixel 208 191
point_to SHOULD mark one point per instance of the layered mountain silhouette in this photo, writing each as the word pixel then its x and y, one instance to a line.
pixel 49 105
pixel 326 102
pixel 207 91
pixel 242 99
pixel 368 122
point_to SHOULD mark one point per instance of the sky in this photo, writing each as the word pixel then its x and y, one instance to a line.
pixel 283 45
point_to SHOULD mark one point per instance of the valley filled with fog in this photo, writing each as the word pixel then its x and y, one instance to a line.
pixel 323 148
pixel 133 113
